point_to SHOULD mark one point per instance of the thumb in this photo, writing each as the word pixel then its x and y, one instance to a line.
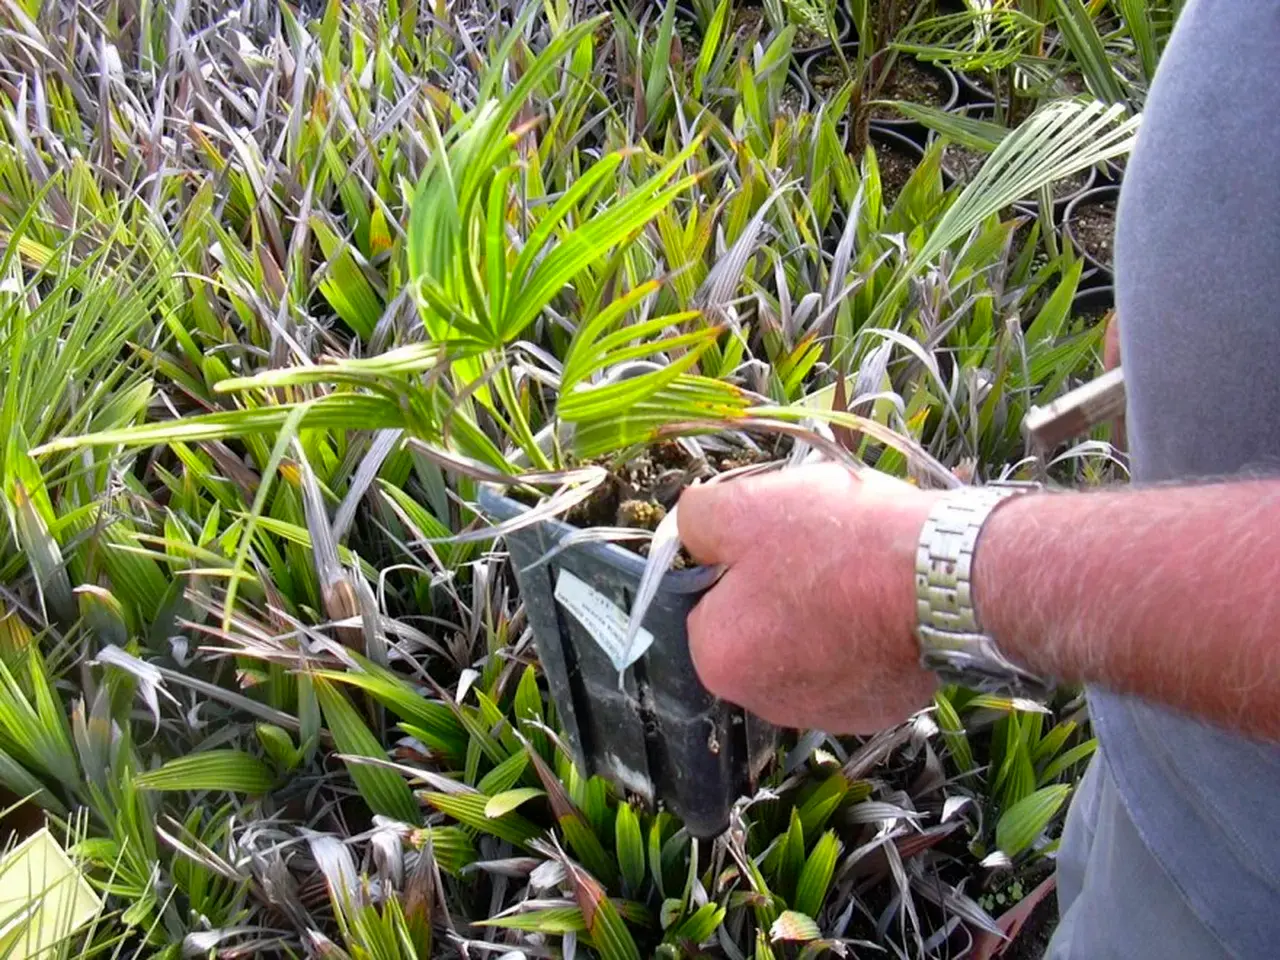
pixel 1111 343
pixel 710 519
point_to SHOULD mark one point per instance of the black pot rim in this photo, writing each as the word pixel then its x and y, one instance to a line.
pixel 934 135
pixel 900 138
pixel 896 136
pixel 809 58
pixel 693 580
pixel 1031 207
pixel 1113 171
pixel 1084 198
pixel 796 79
pixel 843 20
pixel 984 105
pixel 952 102
pixel 1106 290
pixel 972 92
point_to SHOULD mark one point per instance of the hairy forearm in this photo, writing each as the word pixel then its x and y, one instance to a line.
pixel 1171 594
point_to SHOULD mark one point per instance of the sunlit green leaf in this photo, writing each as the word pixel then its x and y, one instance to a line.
pixel 231 770
pixel 469 809
pixel 1019 826
pixel 511 799
pixel 630 847
pixel 795 927
pixel 384 790
pixel 811 890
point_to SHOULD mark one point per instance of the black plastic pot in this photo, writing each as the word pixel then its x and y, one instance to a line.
pixel 971 90
pixel 881 136
pixel 844 27
pixel 1112 172
pixel 976 88
pixel 981 111
pixel 1103 272
pixel 806 63
pixel 911 128
pixel 660 736
pixel 1031 207
pixel 795 81
pixel 1101 297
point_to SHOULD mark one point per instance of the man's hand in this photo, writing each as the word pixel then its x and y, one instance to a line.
pixel 1167 594
pixel 813 623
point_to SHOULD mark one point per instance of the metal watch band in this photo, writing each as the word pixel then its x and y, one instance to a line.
pixel 952 641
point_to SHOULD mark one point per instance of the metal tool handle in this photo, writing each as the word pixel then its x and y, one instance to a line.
pixel 1077 411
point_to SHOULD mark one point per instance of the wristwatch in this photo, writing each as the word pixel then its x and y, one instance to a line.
pixel 952 641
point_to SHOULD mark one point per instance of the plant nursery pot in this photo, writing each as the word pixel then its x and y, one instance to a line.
pixel 660 735
pixel 1087 181
pixel 844 33
pixel 881 137
pixel 981 109
pixel 1112 172
pixel 844 27
pixel 959 162
pixel 1092 279
pixel 973 89
pixel 911 128
pixel 1085 224
pixel 796 97
pixel 950 100
pixel 809 63
pixel 1093 300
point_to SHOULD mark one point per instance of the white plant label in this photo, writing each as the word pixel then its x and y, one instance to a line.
pixel 603 619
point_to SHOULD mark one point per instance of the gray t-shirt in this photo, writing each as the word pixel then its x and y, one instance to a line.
pixel 1198 295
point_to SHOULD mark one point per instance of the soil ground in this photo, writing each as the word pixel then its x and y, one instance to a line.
pixel 639 493
pixel 1093 227
pixel 912 83
pixel 963 162
pixel 896 166
pixel 1069 185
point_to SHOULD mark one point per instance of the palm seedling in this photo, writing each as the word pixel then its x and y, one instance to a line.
pixel 873 60
pixel 471 397
pixel 1028 52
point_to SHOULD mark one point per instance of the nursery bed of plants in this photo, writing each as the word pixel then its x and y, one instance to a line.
pixel 346 347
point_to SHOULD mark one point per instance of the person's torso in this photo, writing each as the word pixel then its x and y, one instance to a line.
pixel 1198 297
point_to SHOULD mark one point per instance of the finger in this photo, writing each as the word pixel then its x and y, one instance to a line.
pixel 1111 344
pixel 715 640
pixel 730 662
pixel 722 522
pixel 711 520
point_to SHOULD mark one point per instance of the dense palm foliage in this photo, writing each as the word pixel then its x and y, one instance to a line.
pixel 280 285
